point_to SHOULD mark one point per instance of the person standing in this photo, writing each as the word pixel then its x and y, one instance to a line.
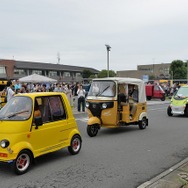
pixel 77 85
pixel 44 88
pixel 17 85
pixel 81 98
pixel 9 92
pixel 68 92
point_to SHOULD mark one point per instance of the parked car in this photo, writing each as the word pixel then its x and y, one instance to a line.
pixel 154 91
pixel 34 124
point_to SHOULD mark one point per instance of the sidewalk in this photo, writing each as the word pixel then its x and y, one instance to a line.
pixel 175 177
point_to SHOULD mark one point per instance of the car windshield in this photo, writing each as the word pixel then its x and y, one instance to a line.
pixel 18 108
pixel 102 88
pixel 182 93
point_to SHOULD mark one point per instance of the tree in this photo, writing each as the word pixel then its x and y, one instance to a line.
pixel 92 76
pixel 103 74
pixel 152 77
pixel 178 70
pixel 86 73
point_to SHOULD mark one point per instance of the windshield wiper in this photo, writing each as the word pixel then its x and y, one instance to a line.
pixel 14 114
pixel 103 91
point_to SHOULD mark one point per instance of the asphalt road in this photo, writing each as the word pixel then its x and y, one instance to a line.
pixel 121 158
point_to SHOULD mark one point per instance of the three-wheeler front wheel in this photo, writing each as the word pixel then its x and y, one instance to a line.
pixel 92 130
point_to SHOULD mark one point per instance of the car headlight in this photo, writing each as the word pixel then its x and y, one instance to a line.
pixel 87 105
pixel 4 143
pixel 104 105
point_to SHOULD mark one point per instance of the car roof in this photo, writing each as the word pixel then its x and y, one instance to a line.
pixel 121 80
pixel 39 94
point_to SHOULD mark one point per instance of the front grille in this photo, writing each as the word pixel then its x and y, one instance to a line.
pixel 95 109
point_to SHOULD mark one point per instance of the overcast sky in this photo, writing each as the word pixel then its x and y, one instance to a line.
pixel 138 31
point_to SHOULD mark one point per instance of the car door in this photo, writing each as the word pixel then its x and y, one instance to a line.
pixel 53 132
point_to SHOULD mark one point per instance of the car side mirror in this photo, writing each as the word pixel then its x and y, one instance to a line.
pixel 38 122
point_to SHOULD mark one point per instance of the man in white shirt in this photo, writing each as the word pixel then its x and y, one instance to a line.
pixel 81 98
pixel 9 91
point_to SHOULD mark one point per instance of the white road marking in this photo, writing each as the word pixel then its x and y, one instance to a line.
pixel 82 119
pixel 157 109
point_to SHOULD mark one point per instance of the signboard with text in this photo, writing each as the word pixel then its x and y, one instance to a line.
pixel 145 78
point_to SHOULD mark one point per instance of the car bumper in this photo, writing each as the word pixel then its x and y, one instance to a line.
pixel 178 110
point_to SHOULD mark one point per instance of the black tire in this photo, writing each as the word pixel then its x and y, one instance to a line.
pixel 23 162
pixel 148 98
pixel 143 123
pixel 169 111
pixel 163 98
pixel 75 145
pixel 92 130
pixel 186 111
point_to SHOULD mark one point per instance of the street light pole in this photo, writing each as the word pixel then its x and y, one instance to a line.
pixel 187 72
pixel 172 76
pixel 108 47
pixel 171 84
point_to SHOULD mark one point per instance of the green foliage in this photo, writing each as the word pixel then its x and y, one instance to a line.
pixel 178 70
pixel 103 74
pixel 92 76
pixel 151 77
pixel 86 73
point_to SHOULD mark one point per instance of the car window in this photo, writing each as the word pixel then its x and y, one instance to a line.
pixel 102 89
pixel 57 108
pixel 45 109
pixel 18 108
pixel 182 93
pixel 51 108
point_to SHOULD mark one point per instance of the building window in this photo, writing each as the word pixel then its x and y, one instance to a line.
pixel 52 73
pixel 19 71
pixel 2 70
pixel 37 72
pixel 166 70
pixel 66 74
pixel 78 74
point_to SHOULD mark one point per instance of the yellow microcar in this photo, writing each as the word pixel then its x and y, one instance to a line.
pixel 34 124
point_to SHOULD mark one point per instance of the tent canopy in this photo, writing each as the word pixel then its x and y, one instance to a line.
pixel 35 78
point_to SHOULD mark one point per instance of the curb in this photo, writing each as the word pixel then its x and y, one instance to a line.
pixel 163 174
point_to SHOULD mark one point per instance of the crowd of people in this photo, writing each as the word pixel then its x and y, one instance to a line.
pixel 75 92
pixel 170 90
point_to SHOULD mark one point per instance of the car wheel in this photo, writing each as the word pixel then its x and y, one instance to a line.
pixel 92 130
pixel 163 98
pixel 169 111
pixel 22 162
pixel 186 111
pixel 148 98
pixel 76 144
pixel 143 123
